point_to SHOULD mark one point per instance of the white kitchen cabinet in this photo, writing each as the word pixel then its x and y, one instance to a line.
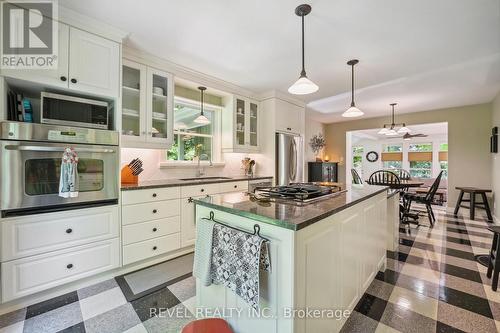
pixel 241 126
pixel 26 276
pixel 188 222
pixel 87 63
pixel 147 106
pixel 53 77
pixel 289 117
pixel 35 234
pixel 94 65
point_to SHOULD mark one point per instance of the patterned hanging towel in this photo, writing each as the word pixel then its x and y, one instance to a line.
pixel 237 257
pixel 68 181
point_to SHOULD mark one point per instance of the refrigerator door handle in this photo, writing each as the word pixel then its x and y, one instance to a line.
pixel 293 161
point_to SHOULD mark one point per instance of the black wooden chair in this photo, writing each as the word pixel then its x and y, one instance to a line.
pixel 403 174
pixel 424 198
pixel 356 179
pixel 385 178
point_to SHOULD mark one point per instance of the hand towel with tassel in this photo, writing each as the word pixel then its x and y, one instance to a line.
pixel 68 181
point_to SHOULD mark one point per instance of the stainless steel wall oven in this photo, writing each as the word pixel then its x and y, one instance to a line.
pixel 30 162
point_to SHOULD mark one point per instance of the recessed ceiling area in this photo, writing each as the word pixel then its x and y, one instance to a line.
pixel 423 54
pixel 432 129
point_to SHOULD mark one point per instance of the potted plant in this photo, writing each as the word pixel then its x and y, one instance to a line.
pixel 317 143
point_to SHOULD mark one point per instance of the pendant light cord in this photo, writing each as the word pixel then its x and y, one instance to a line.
pixel 202 103
pixel 303 73
pixel 352 86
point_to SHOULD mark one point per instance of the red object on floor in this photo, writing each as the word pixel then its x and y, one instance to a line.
pixel 210 325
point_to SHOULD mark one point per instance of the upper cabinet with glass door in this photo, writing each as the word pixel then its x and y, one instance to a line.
pixel 147 104
pixel 240 126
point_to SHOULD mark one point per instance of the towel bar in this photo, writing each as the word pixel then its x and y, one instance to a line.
pixel 256 227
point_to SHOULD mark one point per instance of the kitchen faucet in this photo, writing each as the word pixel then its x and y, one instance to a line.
pixel 200 171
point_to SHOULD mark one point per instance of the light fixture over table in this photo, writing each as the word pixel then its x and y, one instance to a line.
pixel 303 85
pixel 394 129
pixel 353 111
pixel 202 119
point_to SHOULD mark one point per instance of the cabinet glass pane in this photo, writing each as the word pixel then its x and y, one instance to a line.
pixel 160 106
pixel 240 122
pixel 253 125
pixel 131 101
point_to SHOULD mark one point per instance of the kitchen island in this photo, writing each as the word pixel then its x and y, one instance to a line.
pixel 324 255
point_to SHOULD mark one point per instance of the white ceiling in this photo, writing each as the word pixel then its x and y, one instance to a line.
pixel 424 54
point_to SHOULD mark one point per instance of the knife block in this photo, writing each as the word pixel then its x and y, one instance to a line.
pixel 127 177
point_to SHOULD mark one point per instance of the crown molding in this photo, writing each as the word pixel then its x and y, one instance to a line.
pixel 282 96
pixel 77 20
pixel 185 73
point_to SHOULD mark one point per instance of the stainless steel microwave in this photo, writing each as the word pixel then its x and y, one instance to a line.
pixel 74 111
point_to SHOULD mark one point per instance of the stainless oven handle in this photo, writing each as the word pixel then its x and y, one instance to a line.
pixel 57 149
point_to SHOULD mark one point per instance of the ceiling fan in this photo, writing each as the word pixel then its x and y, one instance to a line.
pixel 409 136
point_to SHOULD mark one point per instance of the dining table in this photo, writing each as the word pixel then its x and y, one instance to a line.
pixel 404 184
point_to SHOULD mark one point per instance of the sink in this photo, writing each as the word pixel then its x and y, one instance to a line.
pixel 204 178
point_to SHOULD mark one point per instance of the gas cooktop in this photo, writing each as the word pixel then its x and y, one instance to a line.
pixel 302 193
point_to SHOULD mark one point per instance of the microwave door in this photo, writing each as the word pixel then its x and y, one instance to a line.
pixel 31 171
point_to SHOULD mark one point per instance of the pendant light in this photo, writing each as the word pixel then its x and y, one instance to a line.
pixel 353 111
pixel 392 128
pixel 202 119
pixel 303 85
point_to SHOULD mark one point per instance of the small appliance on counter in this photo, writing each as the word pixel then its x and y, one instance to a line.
pixel 130 172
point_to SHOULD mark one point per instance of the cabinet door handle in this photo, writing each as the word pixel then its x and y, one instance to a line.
pixel 235 186
pixel 155 211
pixel 74 80
pixel 63 78
pixel 154 248
pixel 69 230
pixel 202 190
pixel 289 128
pixel 69 266
pixel 154 195
pixel 155 229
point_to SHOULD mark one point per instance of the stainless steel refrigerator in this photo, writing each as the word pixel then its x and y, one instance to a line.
pixel 289 159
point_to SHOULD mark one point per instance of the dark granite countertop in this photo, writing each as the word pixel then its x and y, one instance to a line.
pixel 179 182
pixel 288 215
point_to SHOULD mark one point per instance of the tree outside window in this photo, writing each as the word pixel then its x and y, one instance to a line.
pixel 357 159
pixel 191 139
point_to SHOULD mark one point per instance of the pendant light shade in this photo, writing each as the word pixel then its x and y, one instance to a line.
pixel 383 131
pixel 303 85
pixel 394 129
pixel 353 111
pixel 202 119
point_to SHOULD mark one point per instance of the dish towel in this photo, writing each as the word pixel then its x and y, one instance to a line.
pixel 203 251
pixel 236 261
pixel 68 181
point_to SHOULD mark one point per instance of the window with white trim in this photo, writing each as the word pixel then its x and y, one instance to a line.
pixel 420 157
pixel 192 139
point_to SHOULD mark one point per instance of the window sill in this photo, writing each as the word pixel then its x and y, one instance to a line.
pixel 189 164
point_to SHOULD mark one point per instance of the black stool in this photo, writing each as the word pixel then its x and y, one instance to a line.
pixel 494 262
pixel 472 191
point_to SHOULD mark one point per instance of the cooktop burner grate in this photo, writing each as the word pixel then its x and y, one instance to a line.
pixel 297 192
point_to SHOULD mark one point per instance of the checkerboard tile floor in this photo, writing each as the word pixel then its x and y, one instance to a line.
pixel 102 308
pixel 432 284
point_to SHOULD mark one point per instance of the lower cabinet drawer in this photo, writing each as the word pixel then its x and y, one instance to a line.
pixel 30 235
pixel 150 211
pixel 234 186
pixel 29 275
pixel 150 248
pixel 139 232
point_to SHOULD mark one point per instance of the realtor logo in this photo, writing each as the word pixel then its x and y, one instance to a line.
pixel 29 34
